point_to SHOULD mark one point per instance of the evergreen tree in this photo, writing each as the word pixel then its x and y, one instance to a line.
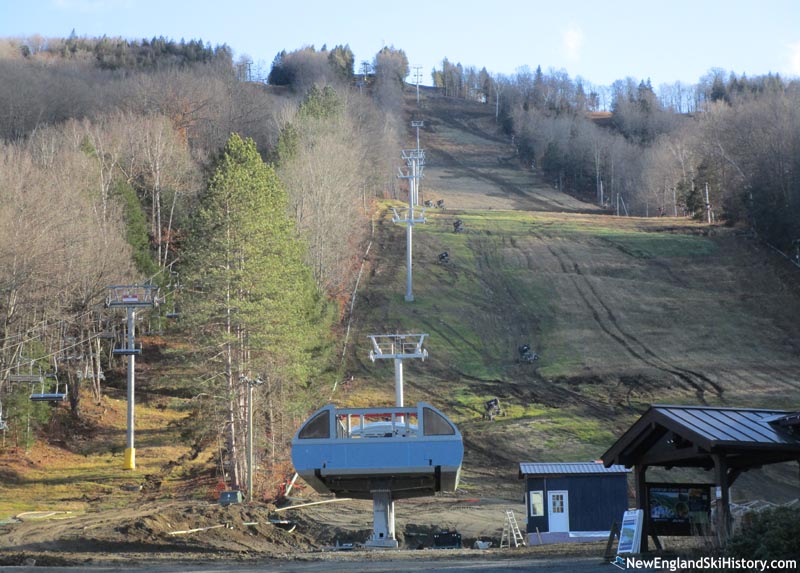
pixel 253 303
pixel 279 75
pixel 342 60
pixel 319 104
pixel 136 229
pixel 718 91
pixel 538 94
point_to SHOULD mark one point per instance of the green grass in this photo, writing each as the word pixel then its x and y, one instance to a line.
pixel 506 283
pixel 660 245
pixel 637 242
pixel 91 475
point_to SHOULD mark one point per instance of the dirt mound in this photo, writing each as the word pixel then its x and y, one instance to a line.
pixel 188 528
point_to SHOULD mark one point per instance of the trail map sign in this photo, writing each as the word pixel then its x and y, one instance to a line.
pixel 679 509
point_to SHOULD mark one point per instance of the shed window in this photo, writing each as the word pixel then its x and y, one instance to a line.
pixel 537 503
pixel 557 503
pixel 434 424
pixel 318 427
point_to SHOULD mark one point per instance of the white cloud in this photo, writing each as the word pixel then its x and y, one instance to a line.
pixel 572 41
pixel 794 59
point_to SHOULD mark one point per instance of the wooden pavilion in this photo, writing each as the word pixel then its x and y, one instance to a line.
pixel 727 440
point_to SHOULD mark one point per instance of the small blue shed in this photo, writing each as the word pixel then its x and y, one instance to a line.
pixel 574 498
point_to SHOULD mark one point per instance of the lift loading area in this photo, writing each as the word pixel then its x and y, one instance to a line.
pixel 411 451
pixel 381 454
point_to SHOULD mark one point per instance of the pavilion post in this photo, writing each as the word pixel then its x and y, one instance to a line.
pixel 723 499
pixel 640 475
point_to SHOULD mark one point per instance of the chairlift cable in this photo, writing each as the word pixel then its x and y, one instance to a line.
pixel 43 325
pixel 52 354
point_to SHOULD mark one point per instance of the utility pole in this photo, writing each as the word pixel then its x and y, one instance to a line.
pixel 250 383
pixel 131 297
pixel 602 198
pixel 497 91
pixel 597 174
pixel 675 200
pixel 417 75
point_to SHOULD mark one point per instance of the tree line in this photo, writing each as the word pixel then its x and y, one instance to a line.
pixel 123 54
pixel 249 205
pixel 642 151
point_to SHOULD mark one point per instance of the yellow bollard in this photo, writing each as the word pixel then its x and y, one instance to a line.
pixel 130 459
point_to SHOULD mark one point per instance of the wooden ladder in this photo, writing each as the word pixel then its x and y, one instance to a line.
pixel 511 532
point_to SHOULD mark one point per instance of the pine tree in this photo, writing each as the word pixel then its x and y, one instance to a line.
pixel 251 302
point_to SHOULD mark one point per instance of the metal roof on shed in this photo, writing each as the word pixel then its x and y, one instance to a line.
pixel 571 468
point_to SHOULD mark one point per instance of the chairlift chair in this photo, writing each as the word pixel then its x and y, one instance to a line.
pixel 70 357
pixel 132 296
pixel 127 351
pixel 89 374
pixel 56 396
pixel 24 377
pixel 29 377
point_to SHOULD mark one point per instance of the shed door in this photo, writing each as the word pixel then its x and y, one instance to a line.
pixel 558 511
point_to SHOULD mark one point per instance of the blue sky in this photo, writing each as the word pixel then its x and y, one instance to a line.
pixel 678 40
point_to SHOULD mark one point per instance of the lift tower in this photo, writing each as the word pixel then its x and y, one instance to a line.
pixel 397 347
pixel 415 159
pixel 131 298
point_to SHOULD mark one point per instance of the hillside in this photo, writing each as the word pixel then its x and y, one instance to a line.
pixel 623 312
